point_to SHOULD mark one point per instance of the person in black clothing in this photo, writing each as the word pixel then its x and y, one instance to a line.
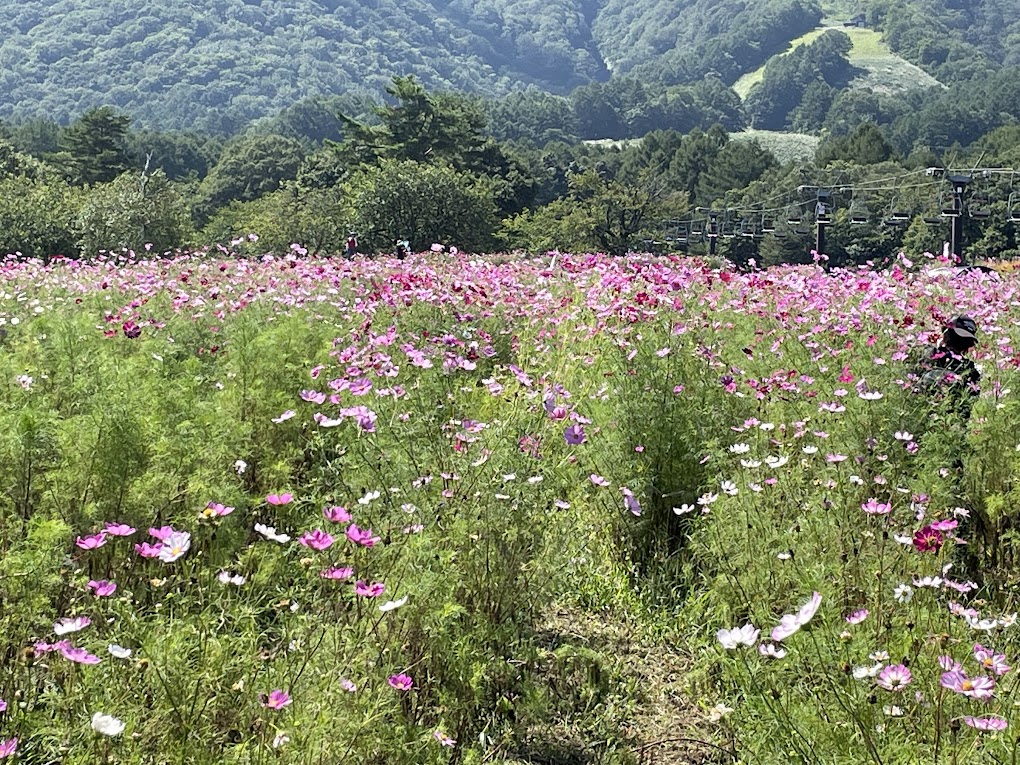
pixel 944 373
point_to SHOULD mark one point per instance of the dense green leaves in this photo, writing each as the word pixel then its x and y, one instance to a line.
pixel 423 204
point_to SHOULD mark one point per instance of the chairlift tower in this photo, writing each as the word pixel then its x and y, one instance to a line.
pixel 959 184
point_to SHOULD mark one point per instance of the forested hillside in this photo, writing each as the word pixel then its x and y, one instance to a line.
pixel 217 65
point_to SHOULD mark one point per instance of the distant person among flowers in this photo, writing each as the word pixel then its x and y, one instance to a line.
pixel 944 372
pixel 351 248
pixel 402 248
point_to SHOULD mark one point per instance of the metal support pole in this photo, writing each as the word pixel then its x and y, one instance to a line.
pixel 956 236
pixel 713 230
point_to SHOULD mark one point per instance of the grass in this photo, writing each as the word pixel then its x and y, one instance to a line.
pixel 885 70
pixel 787 147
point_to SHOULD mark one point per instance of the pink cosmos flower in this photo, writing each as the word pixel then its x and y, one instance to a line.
pixel 277 699
pixel 119 530
pixel 216 510
pixel 348 685
pixel 947 525
pixel 949 664
pixel 362 537
pixel 285 416
pixel 928 539
pixel 148 551
pixel 986 724
pixel 874 507
pixel 598 480
pixel 401 682
pixel 317 540
pixel 894 678
pixel 336 514
pixel 91 542
pixel 975 687
pixel 857 616
pixel 990 661
pixel 443 739
pixel 3 706
pixel 280 499
pixel 102 588
pixel 8 747
pixel 78 655
pixel 373 590
pixel 162 534
pixel 337 573
pixel 174 546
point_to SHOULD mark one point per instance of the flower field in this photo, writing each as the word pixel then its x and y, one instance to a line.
pixel 296 510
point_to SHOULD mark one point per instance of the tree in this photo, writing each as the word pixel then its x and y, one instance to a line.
pixel 131 212
pixel 37 217
pixel 420 127
pixel 598 214
pixel 312 217
pixel 422 203
pixel 93 149
pixel 864 146
pixel 250 166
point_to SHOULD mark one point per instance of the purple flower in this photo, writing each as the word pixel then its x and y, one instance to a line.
pixel 985 724
pixel 401 682
pixel 574 435
pixel 373 590
pixel 894 678
pixel 119 530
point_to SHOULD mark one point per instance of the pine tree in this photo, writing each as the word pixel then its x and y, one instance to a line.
pixel 94 148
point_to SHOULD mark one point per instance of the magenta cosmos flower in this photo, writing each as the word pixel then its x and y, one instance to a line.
pixel 336 514
pixel 401 682
pixel 974 687
pixel 317 540
pixel 148 551
pixel 895 678
pixel 91 542
pixel 8 747
pixel 345 572
pixel 78 655
pixel 119 530
pixel 365 590
pixel 277 699
pixel 280 499
pixel 102 588
pixel 928 539
pixel 362 537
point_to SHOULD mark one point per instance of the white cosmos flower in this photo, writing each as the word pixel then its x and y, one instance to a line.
pixel 903 593
pixel 729 488
pixel 707 499
pixel 740 448
pixel 776 462
pixel 67 625
pixel 718 712
pixel 393 605
pixel 750 463
pixel 119 652
pixel 269 533
pixel 738 636
pixel 770 651
pixel 371 496
pixel 683 509
pixel 809 449
pixel 108 725
pixel 863 673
